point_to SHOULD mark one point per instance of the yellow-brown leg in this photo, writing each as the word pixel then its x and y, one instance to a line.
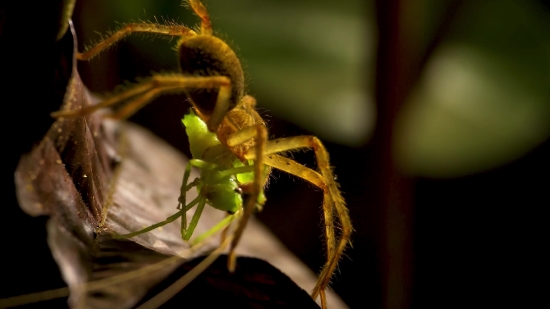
pixel 200 10
pixel 146 91
pixel 171 29
pixel 332 197
pixel 143 27
pixel 294 168
pixel 259 133
pixel 222 104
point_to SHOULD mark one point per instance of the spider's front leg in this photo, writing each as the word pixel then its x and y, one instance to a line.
pixel 144 92
pixel 258 132
pixel 332 198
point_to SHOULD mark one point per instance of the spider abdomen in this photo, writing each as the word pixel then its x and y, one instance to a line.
pixel 206 55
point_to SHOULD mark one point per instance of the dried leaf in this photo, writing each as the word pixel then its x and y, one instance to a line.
pixel 68 177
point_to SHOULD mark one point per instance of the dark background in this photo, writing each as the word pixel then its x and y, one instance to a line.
pixel 419 241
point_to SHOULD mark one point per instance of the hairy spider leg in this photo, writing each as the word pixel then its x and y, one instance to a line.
pixel 332 199
pixel 202 13
pixel 146 27
pixel 152 88
pixel 129 28
pixel 259 133
pixel 294 168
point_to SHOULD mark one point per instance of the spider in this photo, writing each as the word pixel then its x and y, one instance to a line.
pixel 212 78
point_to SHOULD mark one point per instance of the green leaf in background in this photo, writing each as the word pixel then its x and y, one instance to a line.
pixel 306 62
pixel 484 98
